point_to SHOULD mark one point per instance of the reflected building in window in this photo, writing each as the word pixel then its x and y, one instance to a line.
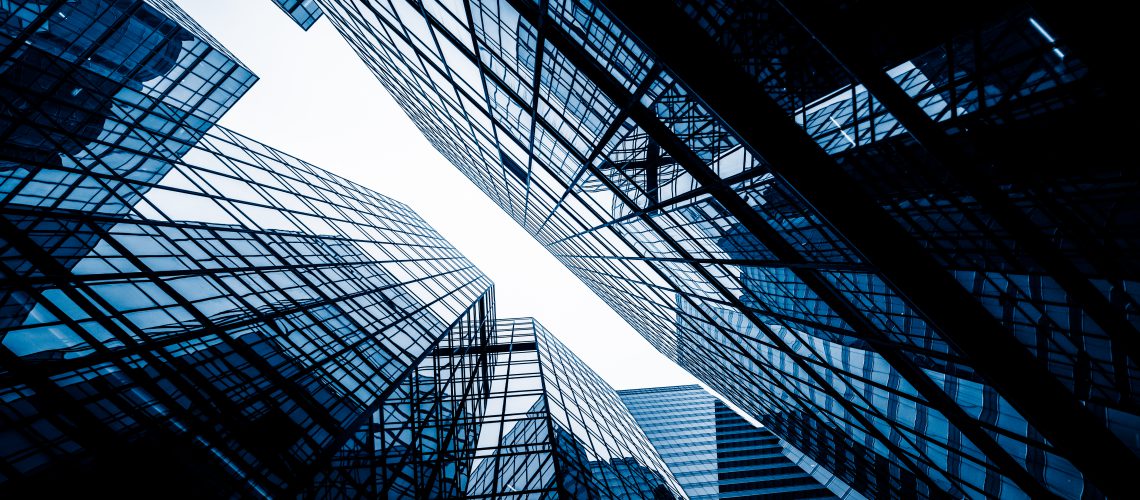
pixel 901 242
pixel 96 99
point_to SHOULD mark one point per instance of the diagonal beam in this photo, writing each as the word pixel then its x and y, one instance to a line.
pixel 844 45
pixel 732 201
pixel 760 123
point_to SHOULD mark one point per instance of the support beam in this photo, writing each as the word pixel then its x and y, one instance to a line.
pixel 440 352
pixel 684 156
pixel 766 129
pixel 843 43
pixel 723 193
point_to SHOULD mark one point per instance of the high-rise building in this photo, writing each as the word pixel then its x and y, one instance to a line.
pixel 189 312
pixel 904 242
pixel 714 453
pixel 225 333
pixel 554 428
pixel 505 412
pixel 186 309
pixel 303 12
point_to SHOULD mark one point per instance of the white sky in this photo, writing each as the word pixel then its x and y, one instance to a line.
pixel 316 100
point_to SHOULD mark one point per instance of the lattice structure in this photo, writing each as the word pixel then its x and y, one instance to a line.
pixel 303 12
pixel 185 308
pixel 901 241
pixel 554 429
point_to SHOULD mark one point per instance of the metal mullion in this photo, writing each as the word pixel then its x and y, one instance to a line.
pixel 454 369
pixel 340 437
pixel 438 28
pixel 437 394
pixel 257 318
pixel 133 183
pixel 602 141
pixel 190 308
pixel 823 385
pixel 65 69
pixel 82 299
pixel 979 438
pixel 547 416
pixel 32 28
pixel 161 137
pixel 473 57
pixel 1094 447
pixel 247 353
pixel 676 155
pixel 819 266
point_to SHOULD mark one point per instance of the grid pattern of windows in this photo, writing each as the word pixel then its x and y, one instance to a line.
pixel 421 442
pixel 303 12
pixel 881 244
pixel 249 304
pixel 553 428
pixel 713 452
pixel 680 423
pixel 184 307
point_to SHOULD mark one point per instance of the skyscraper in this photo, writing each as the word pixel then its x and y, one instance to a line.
pixel 505 412
pixel 861 224
pixel 555 428
pixel 185 307
pixel 303 12
pixel 189 312
pixel 247 313
pixel 714 453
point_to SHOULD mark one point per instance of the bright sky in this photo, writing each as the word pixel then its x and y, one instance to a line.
pixel 316 100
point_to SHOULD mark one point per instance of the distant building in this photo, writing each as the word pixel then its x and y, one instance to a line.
pixel 713 452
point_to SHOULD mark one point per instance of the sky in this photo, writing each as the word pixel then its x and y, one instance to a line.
pixel 317 101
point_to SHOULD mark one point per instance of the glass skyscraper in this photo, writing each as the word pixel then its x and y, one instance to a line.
pixel 189 312
pixel 904 243
pixel 219 328
pixel 714 453
pixel 500 412
pixel 303 12
pixel 554 428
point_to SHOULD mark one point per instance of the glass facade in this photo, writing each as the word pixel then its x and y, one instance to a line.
pixel 499 409
pixel 714 453
pixel 421 442
pixel 303 12
pixel 184 308
pixel 870 235
pixel 681 423
pixel 249 309
pixel 189 311
pixel 554 429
